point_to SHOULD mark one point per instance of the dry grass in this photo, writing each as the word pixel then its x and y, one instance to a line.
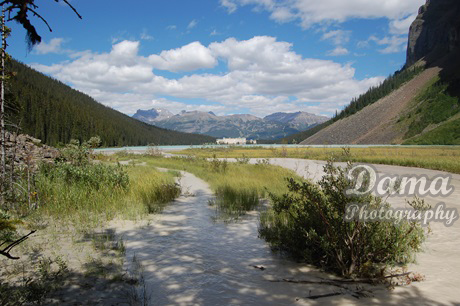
pixel 445 158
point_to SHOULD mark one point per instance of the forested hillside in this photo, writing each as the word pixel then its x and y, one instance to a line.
pixel 55 113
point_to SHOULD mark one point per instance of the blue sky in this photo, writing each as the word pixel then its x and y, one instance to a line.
pixel 225 56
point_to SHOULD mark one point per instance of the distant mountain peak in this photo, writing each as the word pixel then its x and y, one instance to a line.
pixel 152 115
pixel 298 120
pixel 237 125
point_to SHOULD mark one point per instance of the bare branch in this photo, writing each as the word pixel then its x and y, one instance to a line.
pixel 42 19
pixel 6 251
pixel 73 9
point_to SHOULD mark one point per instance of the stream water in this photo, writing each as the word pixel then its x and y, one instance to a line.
pixel 190 259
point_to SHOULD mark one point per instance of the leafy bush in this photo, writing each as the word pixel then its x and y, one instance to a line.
pixel 243 160
pixel 217 165
pixel 308 223
pixel 76 153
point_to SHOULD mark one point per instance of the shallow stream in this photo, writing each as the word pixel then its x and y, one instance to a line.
pixel 188 258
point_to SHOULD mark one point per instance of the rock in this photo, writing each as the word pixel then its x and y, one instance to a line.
pixel 26 150
pixel 435 31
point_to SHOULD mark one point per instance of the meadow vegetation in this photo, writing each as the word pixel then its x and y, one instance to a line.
pixel 447 133
pixel 444 158
pixel 237 186
pixel 87 193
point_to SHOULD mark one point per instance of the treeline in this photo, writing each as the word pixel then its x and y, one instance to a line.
pixel 55 113
pixel 378 92
pixel 371 96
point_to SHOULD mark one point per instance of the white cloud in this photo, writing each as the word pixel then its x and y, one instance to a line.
pixel 129 103
pixel 309 12
pixel 146 36
pixel 229 5
pixel 192 24
pixel 338 51
pixel 337 37
pixel 328 13
pixel 282 14
pixel 171 27
pixel 187 58
pixel 401 26
pixel 263 75
pixel 54 46
pixel 394 44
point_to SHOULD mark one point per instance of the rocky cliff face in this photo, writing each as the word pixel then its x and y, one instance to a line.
pixel 435 31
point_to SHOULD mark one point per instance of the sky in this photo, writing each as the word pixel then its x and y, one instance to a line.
pixel 225 56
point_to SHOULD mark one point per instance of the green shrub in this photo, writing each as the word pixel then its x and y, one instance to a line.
pixel 308 223
pixel 91 175
pixel 217 165
pixel 244 160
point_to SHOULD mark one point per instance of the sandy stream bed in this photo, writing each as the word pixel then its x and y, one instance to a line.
pixel 190 260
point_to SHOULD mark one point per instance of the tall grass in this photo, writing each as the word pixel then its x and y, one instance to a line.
pixel 262 178
pixel 152 189
pixel 237 186
pixel 86 196
pixel 232 203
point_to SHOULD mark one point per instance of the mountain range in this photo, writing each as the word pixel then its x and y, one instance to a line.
pixel 273 126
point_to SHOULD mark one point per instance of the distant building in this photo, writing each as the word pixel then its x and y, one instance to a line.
pixel 231 141
pixel 234 141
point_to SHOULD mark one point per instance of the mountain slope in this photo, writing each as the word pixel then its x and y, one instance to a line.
pixel 423 110
pixel 55 113
pixel 375 124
